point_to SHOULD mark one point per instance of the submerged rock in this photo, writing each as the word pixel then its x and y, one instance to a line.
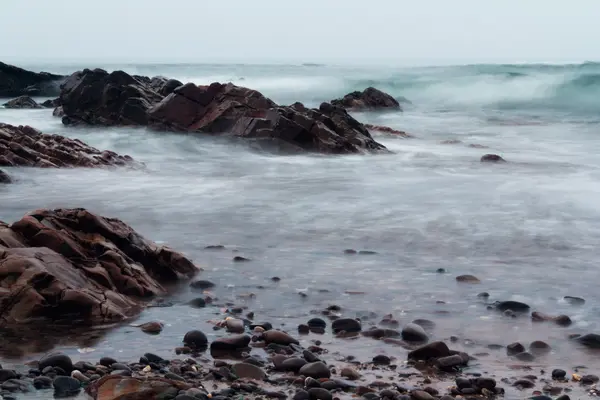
pixel 69 264
pixel 492 158
pixel 22 102
pixel 4 178
pixel 15 81
pixel 24 146
pixel 368 99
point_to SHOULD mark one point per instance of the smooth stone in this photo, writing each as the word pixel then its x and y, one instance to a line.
pixel 424 323
pixel 559 374
pixel 575 301
pixel 348 325
pixel 319 394
pixel 514 349
pixel 524 383
pixel 563 397
pixel 591 340
pixel 240 259
pixel 483 295
pixel 304 329
pixel 538 347
pixel 467 279
pixel 350 373
pixel 120 366
pixel 6 374
pixel 152 327
pixel 265 326
pixel 515 306
pixel 589 379
pixel 430 351
pixel 107 361
pixel 309 356
pixel 450 363
pixel 525 356
pixel 202 284
pixel 42 382
pixel 301 394
pixel 174 377
pixel 381 359
pixel 316 323
pixel 198 302
pixel 231 343
pixel 235 325
pixel 492 158
pixel 421 395
pixel 316 370
pixel 414 333
pixel 486 383
pixel 278 337
pixel 56 360
pixel 153 358
pixel 185 397
pixel 65 386
pixel 79 376
pixel 293 364
pixel 195 339
pixel 463 383
pixel 249 371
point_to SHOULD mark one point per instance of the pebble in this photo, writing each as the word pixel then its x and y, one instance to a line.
pixel 231 343
pixel 348 325
pixel 319 394
pixel 152 327
pixel 589 379
pixel 316 370
pixel 414 333
pixel 524 383
pixel 538 347
pixel 6 374
pixel 467 279
pixel 421 395
pixel 107 361
pixel 381 359
pixel 514 349
pixel 515 306
pixel 278 337
pixel 350 373
pixel 202 284
pixel 559 374
pixel 575 301
pixel 249 371
pixel 76 374
pixel 292 364
pixel 65 386
pixel 450 363
pixel 42 382
pixel 316 323
pixel 240 259
pixel 56 360
pixel 492 158
pixel 195 340
pixel 429 351
pixel 591 340
pixel 235 325
pixel 525 356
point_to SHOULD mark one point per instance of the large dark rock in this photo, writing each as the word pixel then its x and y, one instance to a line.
pixel 22 102
pixel 24 146
pixel 69 264
pixel 368 99
pixel 15 81
pixel 238 111
pixel 96 97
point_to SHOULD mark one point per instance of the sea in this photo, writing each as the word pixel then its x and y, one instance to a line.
pixel 529 229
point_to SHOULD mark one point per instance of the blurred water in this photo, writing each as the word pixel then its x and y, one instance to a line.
pixel 528 229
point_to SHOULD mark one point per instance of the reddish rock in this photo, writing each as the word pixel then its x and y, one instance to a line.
pixel 387 129
pixel 15 81
pixel 229 109
pixel 69 264
pixel 22 102
pixel 99 98
pixel 368 99
pixel 95 97
pixel 25 146
pixel 114 387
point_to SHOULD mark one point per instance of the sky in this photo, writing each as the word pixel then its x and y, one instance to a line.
pixel 431 32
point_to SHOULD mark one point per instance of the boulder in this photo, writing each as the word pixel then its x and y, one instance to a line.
pixel 22 102
pixel 71 265
pixel 15 81
pixel 242 112
pixel 96 97
pixel 25 146
pixel 368 99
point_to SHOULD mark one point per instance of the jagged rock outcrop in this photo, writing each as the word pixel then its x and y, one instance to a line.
pixel 368 99
pixel 96 97
pixel 24 146
pixel 70 264
pixel 15 81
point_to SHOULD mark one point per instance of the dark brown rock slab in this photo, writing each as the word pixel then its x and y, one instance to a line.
pixel 70 264
pixel 24 146
pixel 15 81
pixel 96 97
pixel 369 99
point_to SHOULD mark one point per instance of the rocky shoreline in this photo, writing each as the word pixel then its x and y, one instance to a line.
pixel 70 265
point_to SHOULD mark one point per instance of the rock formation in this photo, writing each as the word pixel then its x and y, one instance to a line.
pixel 15 81
pixel 368 99
pixel 69 264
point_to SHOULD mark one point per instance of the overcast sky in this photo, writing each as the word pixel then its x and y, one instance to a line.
pixel 334 31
